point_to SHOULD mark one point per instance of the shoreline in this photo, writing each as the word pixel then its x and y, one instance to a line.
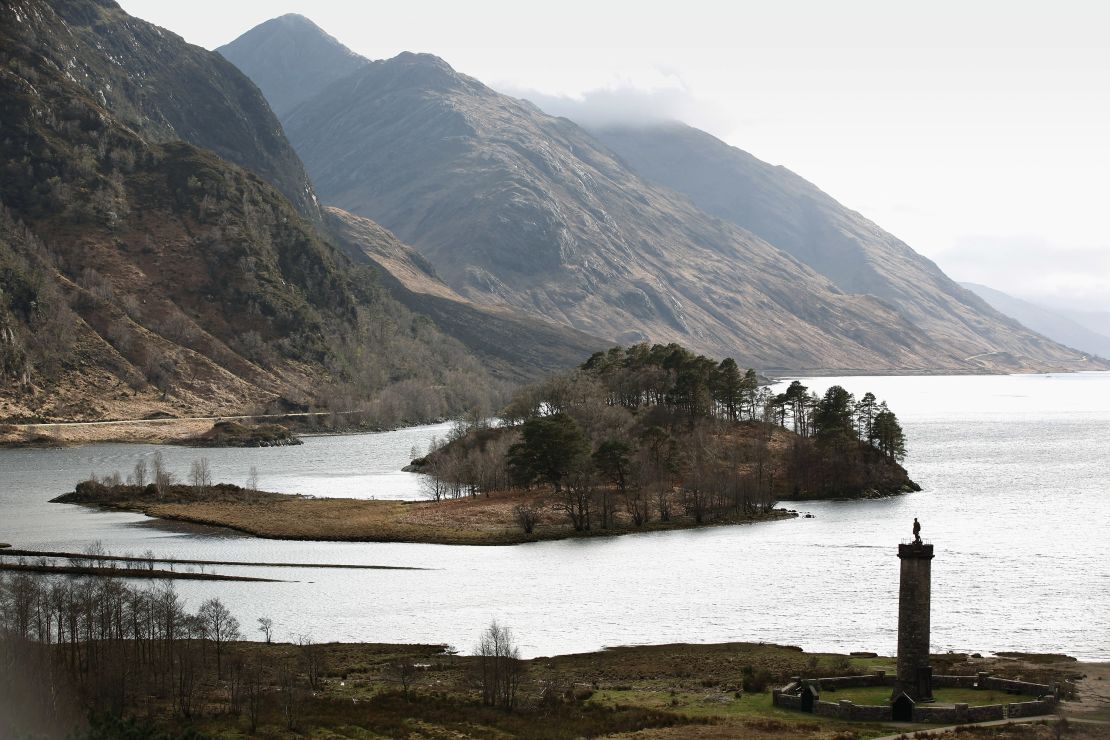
pixel 18 552
pixel 480 521
pixel 59 434
pixel 509 538
pixel 112 572
pixel 21 434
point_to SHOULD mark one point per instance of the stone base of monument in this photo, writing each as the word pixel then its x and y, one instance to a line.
pixel 804 695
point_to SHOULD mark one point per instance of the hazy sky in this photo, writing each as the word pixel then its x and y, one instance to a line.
pixel 978 132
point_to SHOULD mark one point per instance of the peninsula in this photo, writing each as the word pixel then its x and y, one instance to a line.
pixel 492 519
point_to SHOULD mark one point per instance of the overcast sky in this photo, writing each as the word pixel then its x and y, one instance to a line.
pixel 978 132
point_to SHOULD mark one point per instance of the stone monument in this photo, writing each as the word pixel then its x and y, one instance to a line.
pixel 915 674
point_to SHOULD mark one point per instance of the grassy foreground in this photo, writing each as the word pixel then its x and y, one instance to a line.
pixel 662 691
pixel 482 520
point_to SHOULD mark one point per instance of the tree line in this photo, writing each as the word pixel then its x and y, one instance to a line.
pixel 71 644
pixel 71 648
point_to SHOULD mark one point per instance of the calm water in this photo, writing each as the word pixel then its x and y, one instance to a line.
pixel 1016 472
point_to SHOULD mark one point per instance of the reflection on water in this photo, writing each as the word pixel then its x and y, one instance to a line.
pixel 1016 501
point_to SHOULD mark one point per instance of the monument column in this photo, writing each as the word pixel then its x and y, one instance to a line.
pixel 915 674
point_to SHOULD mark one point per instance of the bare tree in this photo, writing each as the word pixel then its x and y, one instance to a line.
pixel 163 478
pixel 252 690
pixel 499 666
pixel 403 672
pixel 287 681
pixel 526 516
pixel 139 475
pixel 266 627
pixel 236 679
pixel 312 659
pixel 200 475
pixel 434 484
pixel 219 626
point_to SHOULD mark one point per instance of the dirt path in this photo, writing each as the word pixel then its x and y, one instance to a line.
pixel 1094 693
pixel 942 731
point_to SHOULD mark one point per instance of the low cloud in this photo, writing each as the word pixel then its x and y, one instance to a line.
pixel 1033 268
pixel 626 105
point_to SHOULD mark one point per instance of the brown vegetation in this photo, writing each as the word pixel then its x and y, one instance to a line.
pixel 485 520
pixel 234 434
pixel 656 433
pixel 146 664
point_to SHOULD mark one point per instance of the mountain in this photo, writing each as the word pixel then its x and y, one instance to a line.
pixel 531 213
pixel 141 274
pixel 797 217
pixel 1096 321
pixel 290 58
pixel 161 87
pixel 1059 327
pixel 519 209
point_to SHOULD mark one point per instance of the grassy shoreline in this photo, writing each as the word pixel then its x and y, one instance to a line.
pixel 482 520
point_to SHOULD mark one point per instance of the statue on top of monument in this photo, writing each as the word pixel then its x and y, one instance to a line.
pixel 916 531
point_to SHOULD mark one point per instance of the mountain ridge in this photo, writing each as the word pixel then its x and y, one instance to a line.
pixel 1047 321
pixel 510 257
pixel 530 212
pixel 793 214
pixel 290 81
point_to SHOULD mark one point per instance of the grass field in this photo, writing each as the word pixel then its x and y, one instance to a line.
pixel 651 692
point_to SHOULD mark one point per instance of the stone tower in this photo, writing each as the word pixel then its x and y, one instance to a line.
pixel 915 675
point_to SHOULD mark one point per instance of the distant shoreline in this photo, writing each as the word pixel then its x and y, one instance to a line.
pixel 162 430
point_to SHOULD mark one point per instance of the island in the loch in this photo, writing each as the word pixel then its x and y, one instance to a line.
pixel 237 434
pixel 638 439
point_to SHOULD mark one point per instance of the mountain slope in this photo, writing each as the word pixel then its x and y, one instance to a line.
pixel 796 216
pixel 163 88
pixel 140 277
pixel 1045 321
pixel 290 58
pixel 516 208
pixel 515 347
